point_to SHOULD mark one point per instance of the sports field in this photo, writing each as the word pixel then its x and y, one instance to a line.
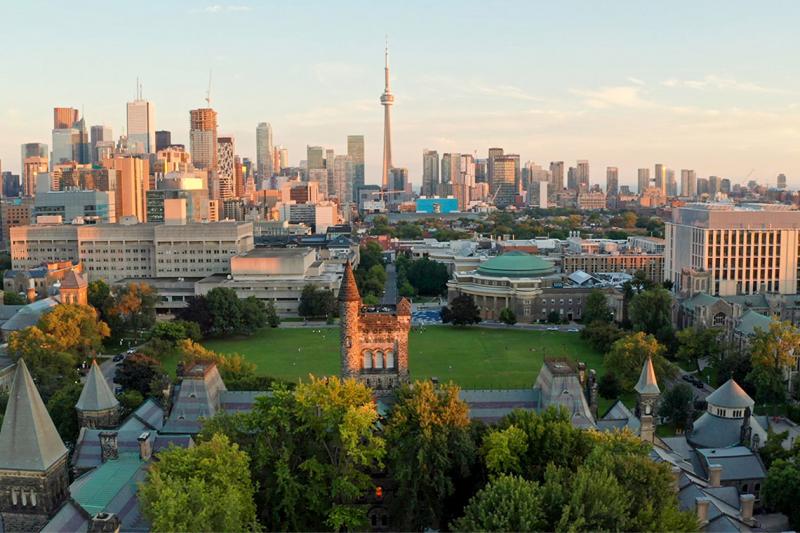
pixel 471 357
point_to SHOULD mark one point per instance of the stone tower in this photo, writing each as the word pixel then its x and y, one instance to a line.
pixel 374 341
pixel 647 394
pixel 97 406
pixel 74 289
pixel 34 481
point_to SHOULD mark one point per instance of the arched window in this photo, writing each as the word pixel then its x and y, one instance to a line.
pixel 389 359
pixel 719 319
pixel 367 359
pixel 379 359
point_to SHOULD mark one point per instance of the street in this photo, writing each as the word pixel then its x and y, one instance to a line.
pixel 390 288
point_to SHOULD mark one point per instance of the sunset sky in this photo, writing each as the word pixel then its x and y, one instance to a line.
pixel 712 85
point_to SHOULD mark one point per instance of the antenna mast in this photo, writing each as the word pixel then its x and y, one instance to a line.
pixel 208 93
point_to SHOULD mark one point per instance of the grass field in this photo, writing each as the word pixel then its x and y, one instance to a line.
pixel 471 357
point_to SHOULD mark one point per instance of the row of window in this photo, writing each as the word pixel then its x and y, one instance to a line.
pixel 377 360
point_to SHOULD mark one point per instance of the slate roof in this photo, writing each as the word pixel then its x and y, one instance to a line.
pixel 700 299
pixel 96 394
pixel 239 401
pixel 712 431
pixel 750 321
pixel 197 397
pixel 730 395
pixel 491 405
pixel 28 315
pixel 73 280
pixel 28 438
pixel 647 383
pixel 619 417
pixel 738 463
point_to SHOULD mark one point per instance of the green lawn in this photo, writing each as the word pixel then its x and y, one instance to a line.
pixel 471 357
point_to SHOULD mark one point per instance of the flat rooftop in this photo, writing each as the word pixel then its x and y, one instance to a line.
pixel 262 252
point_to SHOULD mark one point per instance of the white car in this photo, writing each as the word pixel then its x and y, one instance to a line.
pixel 573 330
pixel 131 351
pixel 552 328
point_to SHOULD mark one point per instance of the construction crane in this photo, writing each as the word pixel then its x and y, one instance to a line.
pixel 208 92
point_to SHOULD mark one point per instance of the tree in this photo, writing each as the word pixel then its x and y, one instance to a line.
pixel 137 372
pixel 370 255
pixel 772 351
pixel 431 447
pixel 428 277
pixel 61 407
pixel 225 310
pixel 627 356
pixel 406 290
pixel 502 450
pixel 232 367
pixel 601 335
pixel 197 311
pixel 609 386
pixel 176 330
pixel 99 294
pixel 316 303
pixel 554 317
pixel 204 488
pixel 507 503
pixel 676 405
pixel 50 367
pixel 254 315
pixel 698 343
pixel 507 316
pixel 74 329
pixel 461 311
pixel 596 308
pixel 13 298
pixel 132 308
pixel 782 488
pixel 273 320
pixel 768 384
pixel 130 400
pixel 651 312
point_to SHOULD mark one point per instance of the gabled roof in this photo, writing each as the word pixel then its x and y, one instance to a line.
pixel 701 299
pixel 730 394
pixel 73 280
pixel 96 394
pixel 28 438
pixel 647 379
pixel 751 321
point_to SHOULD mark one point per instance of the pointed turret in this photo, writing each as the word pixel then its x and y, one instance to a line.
pixel 28 439
pixel 647 380
pixel 97 406
pixel 348 291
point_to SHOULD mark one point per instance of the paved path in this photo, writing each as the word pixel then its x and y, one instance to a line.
pixel 390 288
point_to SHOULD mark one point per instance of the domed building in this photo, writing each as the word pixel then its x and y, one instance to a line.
pixel 728 420
pixel 527 284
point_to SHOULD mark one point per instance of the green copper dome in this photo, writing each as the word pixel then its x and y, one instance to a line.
pixel 516 265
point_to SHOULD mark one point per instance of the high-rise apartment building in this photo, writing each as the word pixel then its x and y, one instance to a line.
pixel 203 138
pixel 264 150
pixel 503 186
pixel 98 134
pixel 451 167
pixel 226 174
pixel 31 168
pixel 660 178
pixel 672 184
pixel 556 176
pixel 714 185
pixel 141 127
pixel 329 157
pixel 493 153
pixel 743 250
pixel 343 178
pixel 781 181
pixel 398 181
pixel 132 185
pixel 582 174
pixel 642 180
pixel 64 118
pixel 430 173
pixel 572 179
pixel 32 150
pixel 612 181
pixel 688 183
pixel 355 150
pixel 464 181
pixel 315 157
pixel 280 159
pixel 163 139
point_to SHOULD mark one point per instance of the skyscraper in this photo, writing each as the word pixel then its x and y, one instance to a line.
pixel 33 150
pixel 612 181
pixel 343 178
pixel 503 180
pixel 582 174
pixel 688 183
pixel 329 157
pixel 672 184
pixel 203 138
pixel 643 180
pixel 355 150
pixel 464 181
pixel 163 139
pixel 387 99
pixel 660 178
pixel 141 126
pixel 556 176
pixel 64 145
pixel 781 181
pixel 31 168
pixel 264 150
pixel 430 173
pixel 493 152
pixel 315 157
pixel 226 174
pixel 64 117
pixel 451 167
pixel 98 134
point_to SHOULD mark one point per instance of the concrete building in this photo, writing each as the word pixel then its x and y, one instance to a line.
pixel 163 139
pixel 31 168
pixel 642 180
pixel 387 100
pixel 225 186
pixel 133 182
pixel 264 150
pixel 178 186
pixel 591 200
pixel 430 173
pixel 72 204
pixel 537 194
pixel 747 249
pixel 660 178
pixel 203 138
pixel 612 181
pixel 32 150
pixel 627 262
pixel 15 212
pixel 141 127
pixel 125 250
pixel 688 183
pixel 556 176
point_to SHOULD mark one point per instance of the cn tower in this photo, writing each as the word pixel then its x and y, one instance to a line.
pixel 387 99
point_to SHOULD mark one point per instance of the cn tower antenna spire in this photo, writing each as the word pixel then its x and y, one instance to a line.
pixel 387 99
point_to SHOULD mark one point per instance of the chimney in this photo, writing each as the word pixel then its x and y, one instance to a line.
pixel 676 478
pixel 715 475
pixel 104 523
pixel 145 446
pixel 701 505
pixel 108 446
pixel 746 503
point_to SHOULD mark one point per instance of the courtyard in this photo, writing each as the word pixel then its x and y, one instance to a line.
pixel 471 357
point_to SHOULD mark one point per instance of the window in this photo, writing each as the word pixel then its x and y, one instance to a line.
pixel 378 359
pixel 367 360
pixel 390 359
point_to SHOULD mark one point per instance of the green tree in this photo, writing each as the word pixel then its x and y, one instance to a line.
pixel 316 303
pixel 771 352
pixel 507 503
pixel 676 405
pixel 554 317
pixel 651 312
pixel 232 367
pixel 132 308
pixel 370 255
pixel 137 372
pixel 176 330
pixel 431 447
pixel 13 298
pixel 51 368
pixel 197 311
pixel 503 450
pixel 99 294
pixel 273 320
pixel 698 343
pixel 204 488
pixel 601 335
pixel 428 277
pixel 507 316
pixel 225 310
pixel 628 354
pixel 406 290
pixel 74 328
pixel 61 407
pixel 596 308
pixel 782 489
pixel 130 400
pixel 609 386
pixel 254 315
pixel 462 311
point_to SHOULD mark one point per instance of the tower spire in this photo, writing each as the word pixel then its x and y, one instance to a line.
pixel 387 99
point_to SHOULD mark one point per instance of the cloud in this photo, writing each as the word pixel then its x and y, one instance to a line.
pixel 504 91
pixel 635 81
pixel 619 96
pixel 711 81
pixel 220 8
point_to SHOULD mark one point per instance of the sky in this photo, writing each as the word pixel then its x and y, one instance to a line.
pixel 712 85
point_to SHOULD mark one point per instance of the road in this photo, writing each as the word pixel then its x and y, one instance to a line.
pixel 109 368
pixel 390 288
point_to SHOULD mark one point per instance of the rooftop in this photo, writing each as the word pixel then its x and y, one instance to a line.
pixel 516 264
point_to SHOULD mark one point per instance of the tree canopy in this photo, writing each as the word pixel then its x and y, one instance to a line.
pixel 628 354
pixel 461 311
pixel 221 313
pixel 596 308
pixel 316 302
pixel 651 312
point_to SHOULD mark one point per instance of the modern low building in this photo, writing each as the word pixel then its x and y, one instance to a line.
pixel 437 205
pixel 88 206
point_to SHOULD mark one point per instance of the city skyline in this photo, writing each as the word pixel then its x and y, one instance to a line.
pixel 666 87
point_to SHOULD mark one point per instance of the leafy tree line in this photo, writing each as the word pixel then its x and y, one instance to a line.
pixel 422 277
pixel 221 313
pixel 371 273
pixel 127 309
pixel 315 457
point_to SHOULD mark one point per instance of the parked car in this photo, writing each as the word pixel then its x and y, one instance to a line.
pixel 131 351
pixel 573 330
pixel 552 328
pixel 119 357
pixel 117 390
